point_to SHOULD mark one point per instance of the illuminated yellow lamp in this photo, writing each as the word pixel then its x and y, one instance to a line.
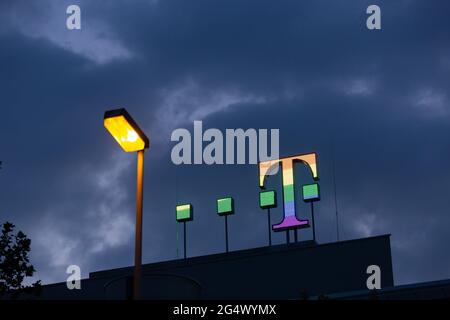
pixel 125 130
pixel 131 138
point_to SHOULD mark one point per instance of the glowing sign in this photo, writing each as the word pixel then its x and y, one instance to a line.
pixel 184 212
pixel 311 192
pixel 267 199
pixel 225 206
pixel 290 220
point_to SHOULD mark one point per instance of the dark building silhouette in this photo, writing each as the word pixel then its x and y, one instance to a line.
pixel 303 270
pixel 290 271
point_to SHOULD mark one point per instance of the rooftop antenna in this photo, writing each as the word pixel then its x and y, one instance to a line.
pixel 335 194
pixel 311 194
pixel 176 201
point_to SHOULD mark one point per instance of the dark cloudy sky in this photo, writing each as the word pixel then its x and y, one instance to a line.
pixel 309 68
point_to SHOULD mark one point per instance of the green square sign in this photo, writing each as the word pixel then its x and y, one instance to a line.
pixel 184 212
pixel 225 206
pixel 267 199
pixel 311 192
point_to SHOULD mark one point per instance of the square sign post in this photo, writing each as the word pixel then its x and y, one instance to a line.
pixel 184 212
pixel 225 207
pixel 268 200
pixel 311 193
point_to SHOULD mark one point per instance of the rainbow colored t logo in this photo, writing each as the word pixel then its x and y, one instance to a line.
pixel 290 220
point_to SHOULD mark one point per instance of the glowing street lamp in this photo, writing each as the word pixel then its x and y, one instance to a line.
pixel 132 139
pixel 125 130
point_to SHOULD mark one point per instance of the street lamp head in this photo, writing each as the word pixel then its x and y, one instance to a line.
pixel 125 130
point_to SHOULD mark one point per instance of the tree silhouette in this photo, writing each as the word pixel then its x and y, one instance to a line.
pixel 14 263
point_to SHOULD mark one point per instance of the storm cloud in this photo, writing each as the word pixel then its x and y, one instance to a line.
pixel 375 101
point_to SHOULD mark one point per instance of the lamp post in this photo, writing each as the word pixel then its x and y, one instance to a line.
pixel 131 138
